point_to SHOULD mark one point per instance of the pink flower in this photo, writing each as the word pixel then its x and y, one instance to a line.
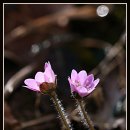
pixel 43 80
pixel 82 83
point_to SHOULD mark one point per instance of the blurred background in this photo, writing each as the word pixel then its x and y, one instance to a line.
pixel 71 36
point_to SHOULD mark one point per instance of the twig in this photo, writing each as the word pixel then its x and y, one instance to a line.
pixel 15 79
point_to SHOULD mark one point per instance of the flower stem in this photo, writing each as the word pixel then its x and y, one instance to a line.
pixel 60 110
pixel 86 116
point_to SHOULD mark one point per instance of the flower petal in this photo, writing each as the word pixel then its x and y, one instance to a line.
pixel 31 84
pixel 69 80
pixel 47 65
pixel 46 78
pixel 91 90
pixel 74 75
pixel 72 86
pixel 82 91
pixel 82 75
pixel 96 82
pixel 92 86
pixel 39 77
pixel 89 79
pixel 50 76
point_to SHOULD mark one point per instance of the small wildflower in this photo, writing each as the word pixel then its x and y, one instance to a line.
pixel 81 83
pixel 44 81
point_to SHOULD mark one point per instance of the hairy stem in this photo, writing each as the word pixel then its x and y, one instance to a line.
pixel 86 116
pixel 60 110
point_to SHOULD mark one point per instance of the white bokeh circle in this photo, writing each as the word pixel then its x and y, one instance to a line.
pixel 102 10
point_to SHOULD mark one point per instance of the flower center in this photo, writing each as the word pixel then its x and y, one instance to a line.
pixel 77 83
